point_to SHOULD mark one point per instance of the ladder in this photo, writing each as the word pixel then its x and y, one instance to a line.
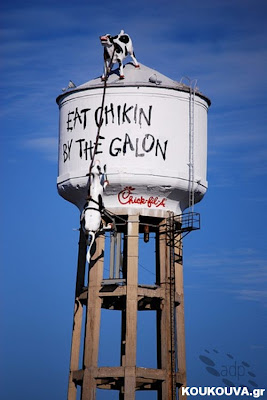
pixel 173 344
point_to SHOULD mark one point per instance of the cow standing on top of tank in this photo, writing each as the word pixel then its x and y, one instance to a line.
pixel 116 48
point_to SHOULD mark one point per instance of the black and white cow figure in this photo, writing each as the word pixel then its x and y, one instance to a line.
pixel 119 47
pixel 91 220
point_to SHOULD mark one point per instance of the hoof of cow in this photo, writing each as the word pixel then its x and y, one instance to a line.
pixel 103 78
pixel 121 76
pixel 137 66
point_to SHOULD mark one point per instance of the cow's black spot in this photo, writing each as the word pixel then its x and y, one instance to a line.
pixel 118 48
pixel 126 52
pixel 111 38
pixel 106 55
pixel 207 360
pixel 124 38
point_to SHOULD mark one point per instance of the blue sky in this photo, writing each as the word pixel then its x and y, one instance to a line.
pixel 223 45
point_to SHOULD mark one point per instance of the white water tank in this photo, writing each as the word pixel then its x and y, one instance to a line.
pixel 144 142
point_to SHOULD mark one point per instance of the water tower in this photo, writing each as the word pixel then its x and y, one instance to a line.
pixel 151 134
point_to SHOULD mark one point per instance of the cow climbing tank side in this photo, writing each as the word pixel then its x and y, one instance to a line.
pixel 153 142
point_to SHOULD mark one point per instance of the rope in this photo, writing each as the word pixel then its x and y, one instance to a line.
pixel 100 123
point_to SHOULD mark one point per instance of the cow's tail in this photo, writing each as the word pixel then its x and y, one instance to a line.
pixel 91 237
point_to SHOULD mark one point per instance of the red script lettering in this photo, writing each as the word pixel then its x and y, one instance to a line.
pixel 126 196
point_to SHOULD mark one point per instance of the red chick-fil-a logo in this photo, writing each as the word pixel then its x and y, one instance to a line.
pixel 126 197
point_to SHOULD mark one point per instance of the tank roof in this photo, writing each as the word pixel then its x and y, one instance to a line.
pixel 142 76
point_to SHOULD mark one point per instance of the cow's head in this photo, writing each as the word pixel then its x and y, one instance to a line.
pixel 106 40
pixel 96 169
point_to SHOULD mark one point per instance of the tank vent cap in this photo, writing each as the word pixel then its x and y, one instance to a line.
pixel 154 79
